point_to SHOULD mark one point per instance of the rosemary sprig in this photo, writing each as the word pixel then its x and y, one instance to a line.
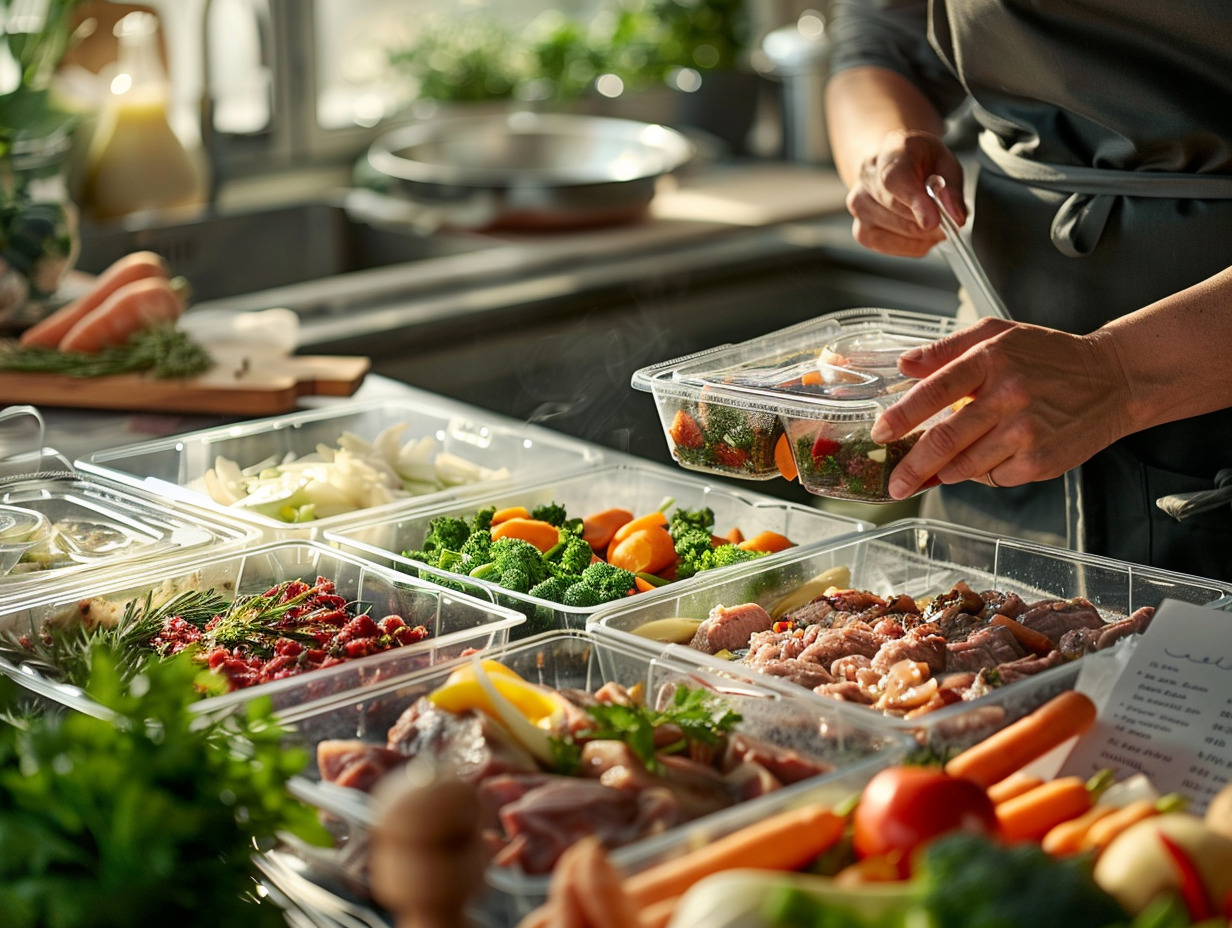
pixel 162 351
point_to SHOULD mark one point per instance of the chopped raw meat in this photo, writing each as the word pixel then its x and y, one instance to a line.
pixel 728 628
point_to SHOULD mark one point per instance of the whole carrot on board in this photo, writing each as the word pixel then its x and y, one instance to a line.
pixel 129 309
pixel 1032 815
pixel 1031 737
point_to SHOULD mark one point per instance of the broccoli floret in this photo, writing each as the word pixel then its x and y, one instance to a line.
pixel 553 588
pixel 482 520
pixel 515 564
pixel 446 532
pixel 582 595
pixel 515 578
pixel 726 555
pixel 608 581
pixel 553 513
pixel 694 550
pixel 571 555
pixel 476 549
pixel 683 520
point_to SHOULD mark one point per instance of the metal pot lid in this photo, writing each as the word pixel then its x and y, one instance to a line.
pixel 529 149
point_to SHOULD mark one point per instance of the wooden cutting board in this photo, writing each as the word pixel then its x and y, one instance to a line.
pixel 240 383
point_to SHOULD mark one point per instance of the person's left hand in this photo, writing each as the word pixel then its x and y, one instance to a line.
pixel 1041 402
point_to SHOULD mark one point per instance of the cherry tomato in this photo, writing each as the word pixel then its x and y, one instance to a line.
pixel 902 808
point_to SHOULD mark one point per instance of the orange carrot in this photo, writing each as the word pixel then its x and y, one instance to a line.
pixel 543 535
pixel 599 527
pixel 1030 816
pixel 733 537
pixel 136 266
pixel 784 459
pixel 1101 833
pixel 717 541
pixel 811 378
pixel 511 512
pixel 767 541
pixel 658 915
pixel 633 525
pixel 785 841
pixel 1066 838
pixel 1034 735
pixel 130 308
pixel 647 550
pixel 1029 638
pixel 1015 784
pixel 644 586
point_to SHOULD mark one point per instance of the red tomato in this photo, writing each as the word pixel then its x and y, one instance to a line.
pixel 902 808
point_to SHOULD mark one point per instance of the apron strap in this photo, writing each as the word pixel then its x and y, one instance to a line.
pixel 1079 223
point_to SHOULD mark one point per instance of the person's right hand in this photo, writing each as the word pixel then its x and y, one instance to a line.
pixel 893 212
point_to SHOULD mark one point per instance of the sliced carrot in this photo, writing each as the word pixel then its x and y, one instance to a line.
pixel 1034 735
pixel 811 378
pixel 511 512
pixel 1101 833
pixel 658 914
pixel 1066 838
pixel 734 536
pixel 1029 638
pixel 784 460
pixel 633 525
pixel 647 550
pixel 135 266
pixel 543 535
pixel 719 540
pixel 644 586
pixel 127 310
pixel 1030 816
pixel 599 527
pixel 767 541
pixel 784 841
pixel 1015 784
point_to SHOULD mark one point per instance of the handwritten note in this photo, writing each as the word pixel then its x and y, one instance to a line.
pixel 1169 712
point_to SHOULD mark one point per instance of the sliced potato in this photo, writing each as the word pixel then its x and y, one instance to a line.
pixel 676 630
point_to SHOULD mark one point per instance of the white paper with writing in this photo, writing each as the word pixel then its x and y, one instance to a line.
pixel 1169 712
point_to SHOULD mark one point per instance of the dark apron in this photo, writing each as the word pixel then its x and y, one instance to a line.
pixel 1159 233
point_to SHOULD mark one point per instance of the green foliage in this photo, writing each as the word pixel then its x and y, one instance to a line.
pixel 147 818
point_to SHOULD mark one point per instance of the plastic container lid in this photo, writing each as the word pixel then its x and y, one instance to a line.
pixel 20 530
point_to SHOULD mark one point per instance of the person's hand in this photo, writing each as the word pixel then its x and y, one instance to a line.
pixel 1041 402
pixel 892 210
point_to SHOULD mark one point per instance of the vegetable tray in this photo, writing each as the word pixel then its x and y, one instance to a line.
pixel 579 660
pixel 921 559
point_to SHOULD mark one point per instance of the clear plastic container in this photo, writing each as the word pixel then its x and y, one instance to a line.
pixel 922 558
pixel 811 391
pixel 640 488
pixel 176 467
pixel 580 660
pixel 86 525
pixel 455 623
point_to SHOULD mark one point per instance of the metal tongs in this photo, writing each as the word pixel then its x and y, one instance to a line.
pixel 962 260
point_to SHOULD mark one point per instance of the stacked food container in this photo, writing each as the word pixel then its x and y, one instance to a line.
pixel 337 503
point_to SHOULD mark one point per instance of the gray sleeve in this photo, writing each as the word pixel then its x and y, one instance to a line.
pixel 892 34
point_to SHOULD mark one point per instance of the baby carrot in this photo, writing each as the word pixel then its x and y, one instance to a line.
pixel 511 512
pixel 734 536
pixel 785 841
pixel 1015 784
pixel 599 527
pixel 633 525
pixel 1029 638
pixel 1101 833
pixel 136 305
pixel 766 541
pixel 1066 838
pixel 1034 735
pixel 644 586
pixel 1030 816
pixel 647 550
pixel 543 535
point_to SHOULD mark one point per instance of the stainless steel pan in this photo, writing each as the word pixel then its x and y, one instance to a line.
pixel 528 170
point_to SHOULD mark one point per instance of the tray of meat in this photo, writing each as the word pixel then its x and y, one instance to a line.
pixel 565 735
pixel 294 621
pixel 801 400
pixel 944 632
pixel 537 546
pixel 298 475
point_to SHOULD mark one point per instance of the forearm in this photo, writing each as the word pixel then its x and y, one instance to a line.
pixel 863 105
pixel 1173 356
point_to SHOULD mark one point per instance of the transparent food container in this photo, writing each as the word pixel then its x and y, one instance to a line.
pixel 578 660
pixel 440 450
pixel 68 525
pixel 921 559
pixel 455 623
pixel 804 397
pixel 639 488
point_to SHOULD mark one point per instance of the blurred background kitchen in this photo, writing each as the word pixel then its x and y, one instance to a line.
pixel 244 159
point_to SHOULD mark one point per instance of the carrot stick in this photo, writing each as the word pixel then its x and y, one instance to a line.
pixel 1066 838
pixel 128 309
pixel 543 535
pixel 786 841
pixel 1030 816
pixel 633 525
pixel 1015 784
pixel 784 459
pixel 644 586
pixel 647 550
pixel 767 541
pixel 1034 735
pixel 1101 833
pixel 512 512
pixel 1029 638
pixel 733 537
pixel 658 914
pixel 136 266
pixel 599 527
